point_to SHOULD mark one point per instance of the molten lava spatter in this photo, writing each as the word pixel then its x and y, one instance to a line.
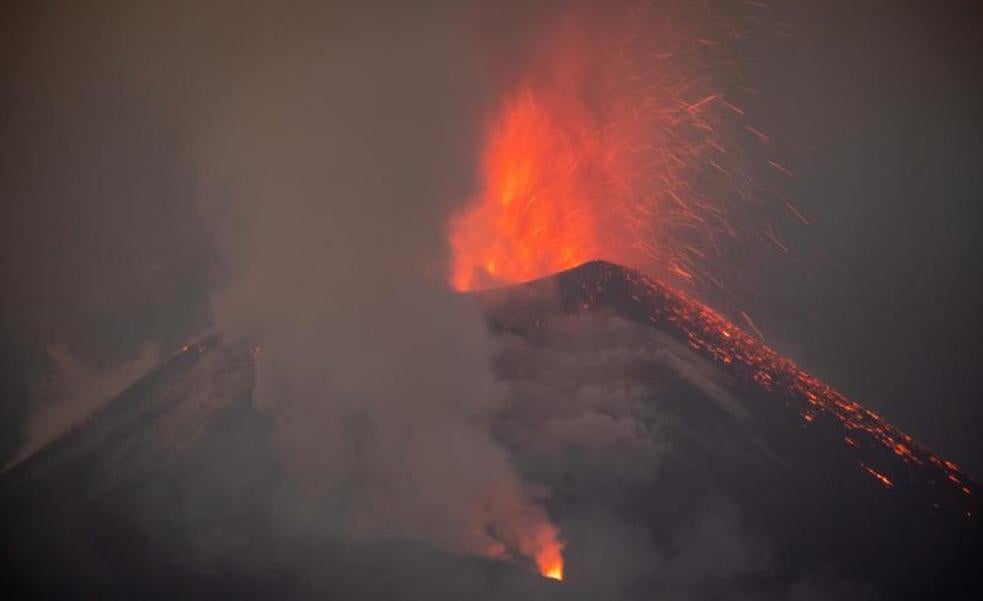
pixel 594 153
pixel 534 216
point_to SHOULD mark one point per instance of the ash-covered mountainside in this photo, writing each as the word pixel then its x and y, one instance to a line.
pixel 679 457
pixel 829 479
pixel 887 455
pixel 174 490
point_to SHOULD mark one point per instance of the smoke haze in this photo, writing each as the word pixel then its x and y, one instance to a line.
pixel 286 172
pixel 338 170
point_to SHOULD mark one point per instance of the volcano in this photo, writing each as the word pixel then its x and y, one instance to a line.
pixel 685 459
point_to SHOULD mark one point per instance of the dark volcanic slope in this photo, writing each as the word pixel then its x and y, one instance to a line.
pixel 859 494
pixel 171 490
pixel 888 455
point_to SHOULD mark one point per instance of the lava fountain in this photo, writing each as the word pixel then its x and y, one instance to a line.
pixel 592 152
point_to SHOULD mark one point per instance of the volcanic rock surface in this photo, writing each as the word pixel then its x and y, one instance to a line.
pixel 682 459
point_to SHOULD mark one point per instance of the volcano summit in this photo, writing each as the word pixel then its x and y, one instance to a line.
pixel 679 457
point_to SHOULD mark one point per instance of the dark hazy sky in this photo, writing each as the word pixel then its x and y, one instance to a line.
pixel 882 101
pixel 106 244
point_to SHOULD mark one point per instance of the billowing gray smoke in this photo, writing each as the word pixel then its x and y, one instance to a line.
pixel 592 410
pixel 329 143
pixel 342 163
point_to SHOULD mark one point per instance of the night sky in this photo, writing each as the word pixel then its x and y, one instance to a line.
pixel 882 102
pixel 877 105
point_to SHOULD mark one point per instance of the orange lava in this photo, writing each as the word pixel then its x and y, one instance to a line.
pixel 550 563
pixel 879 477
pixel 554 171
pixel 721 340
pixel 553 572
pixel 533 217
pixel 545 548
pixel 590 153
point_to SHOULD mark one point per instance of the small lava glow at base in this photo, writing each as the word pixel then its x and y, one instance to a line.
pixel 554 573
pixel 550 562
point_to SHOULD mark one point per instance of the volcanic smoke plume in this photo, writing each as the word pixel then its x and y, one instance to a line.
pixel 378 378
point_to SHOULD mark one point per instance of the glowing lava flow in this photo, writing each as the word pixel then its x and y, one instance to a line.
pixel 890 457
